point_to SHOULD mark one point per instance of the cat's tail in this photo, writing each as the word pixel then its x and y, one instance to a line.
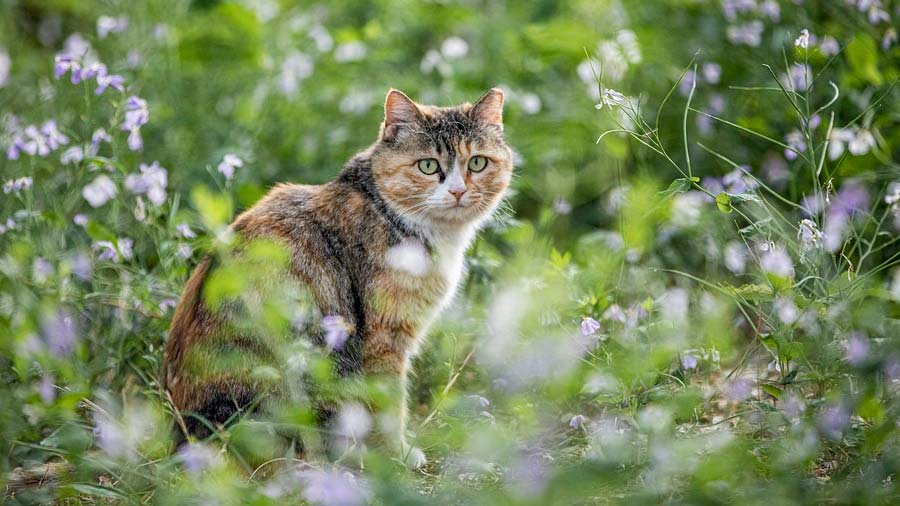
pixel 48 474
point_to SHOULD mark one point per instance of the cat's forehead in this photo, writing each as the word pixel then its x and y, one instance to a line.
pixel 443 128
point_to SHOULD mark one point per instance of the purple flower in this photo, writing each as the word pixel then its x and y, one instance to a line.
pixel 152 181
pixel 105 80
pixel 775 260
pixel 135 141
pixel 795 140
pixel 334 488
pixel 47 390
pixel 136 115
pixel 833 420
pixel 81 266
pixel 60 333
pixel 687 82
pixel 62 64
pixel 857 349
pixel 615 313
pixel 335 331
pixel 749 34
pixel 167 304
pixel 589 326
pixel 739 389
pixel 228 164
pixel 712 72
pixel 689 362
pixel 121 250
pixel 851 198
pixel 99 191
pixel 18 185
pixel 80 219
pixel 577 421
pixel 197 457
pixel 75 154
pixel 107 25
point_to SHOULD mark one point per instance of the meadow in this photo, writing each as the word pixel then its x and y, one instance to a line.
pixel 691 295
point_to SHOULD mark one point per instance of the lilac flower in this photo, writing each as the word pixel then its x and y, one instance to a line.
pixel 589 326
pixel 105 80
pixel 809 235
pixel 829 46
pixel 689 362
pixel 577 421
pixel 73 155
pixel 687 83
pixel 771 9
pixel 614 313
pixel 136 116
pixel 749 34
pixel 107 25
pixel 80 220
pixel 184 230
pixel 228 164
pixel 776 261
pixel 335 331
pixel 739 389
pixel 803 40
pixel 857 349
pixel 42 269
pixel 64 63
pixel 152 181
pixel 99 191
pixel 334 488
pixel 850 199
pixel 46 389
pixel 797 144
pixel 712 72
pixel 60 333
pixel 121 250
pixel 18 185
pixel 833 420
pixel 36 143
pixel 166 304
pixel 198 457
pixel 81 266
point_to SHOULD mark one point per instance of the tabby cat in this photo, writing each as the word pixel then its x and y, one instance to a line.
pixel 380 251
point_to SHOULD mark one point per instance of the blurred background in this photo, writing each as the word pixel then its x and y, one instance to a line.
pixel 699 308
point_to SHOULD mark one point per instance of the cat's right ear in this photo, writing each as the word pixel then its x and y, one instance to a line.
pixel 398 110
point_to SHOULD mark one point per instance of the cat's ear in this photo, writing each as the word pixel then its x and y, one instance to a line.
pixel 489 108
pixel 398 110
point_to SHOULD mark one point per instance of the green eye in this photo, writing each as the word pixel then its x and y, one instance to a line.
pixel 477 163
pixel 429 166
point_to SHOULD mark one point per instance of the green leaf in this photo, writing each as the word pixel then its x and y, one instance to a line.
pixel 679 185
pixel 723 202
pixel 98 232
pixel 862 54
pixel 96 490
pixel 772 390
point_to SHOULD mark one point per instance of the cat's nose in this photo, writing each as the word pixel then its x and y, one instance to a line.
pixel 457 192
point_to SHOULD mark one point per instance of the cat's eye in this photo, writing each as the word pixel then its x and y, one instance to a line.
pixel 477 163
pixel 429 166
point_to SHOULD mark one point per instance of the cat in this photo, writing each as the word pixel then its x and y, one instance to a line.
pixel 380 250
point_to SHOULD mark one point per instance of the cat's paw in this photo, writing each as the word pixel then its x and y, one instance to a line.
pixel 415 459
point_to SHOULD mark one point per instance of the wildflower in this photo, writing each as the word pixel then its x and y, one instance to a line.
pixel 454 48
pixel 889 39
pixel 52 136
pixel 797 144
pixel 749 34
pixel 335 331
pixel 320 36
pixel 482 401
pixel 803 40
pixel 614 313
pixel 577 421
pixel 121 250
pixel 857 349
pixel 531 103
pixel 152 181
pixel 46 390
pixel 786 310
pixel 629 45
pixel 809 235
pixel 42 269
pixel 589 326
pixel 167 304
pixel 198 457
pixel 99 135
pixel 228 164
pixel 136 116
pixel 610 98
pixel 81 266
pixel 353 421
pixel 561 206
pixel 829 46
pixel 105 80
pixel 17 185
pixel 771 9
pixel 99 191
pixel 775 170
pixel 833 420
pixel 107 25
pixel 861 143
pixel 850 199
pixel 712 72
pixel 739 389
pixel 80 220
pixel 776 261
pixel 73 155
pixel 857 141
pixel 689 362
pixel 184 251
pixel 674 304
pixel 687 83
pixel 735 257
pixel 184 230
pixel 334 488
pixel 295 68
pixel 350 52
pixel 60 333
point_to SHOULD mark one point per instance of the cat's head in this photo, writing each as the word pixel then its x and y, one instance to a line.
pixel 442 167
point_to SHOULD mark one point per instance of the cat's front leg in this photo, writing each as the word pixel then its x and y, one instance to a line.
pixel 386 369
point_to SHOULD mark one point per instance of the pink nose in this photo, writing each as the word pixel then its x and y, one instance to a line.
pixel 457 192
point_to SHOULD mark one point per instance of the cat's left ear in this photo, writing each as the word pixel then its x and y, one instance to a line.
pixel 398 110
pixel 489 108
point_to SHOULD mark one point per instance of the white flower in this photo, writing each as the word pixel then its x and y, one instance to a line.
pixel 809 234
pixel 228 164
pixel 295 68
pixel 184 230
pixel 777 261
pixel 531 103
pixel 862 143
pixel 99 191
pixel 350 51
pixel 610 98
pixel 75 154
pixel 786 309
pixel 803 40
pixel 454 48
